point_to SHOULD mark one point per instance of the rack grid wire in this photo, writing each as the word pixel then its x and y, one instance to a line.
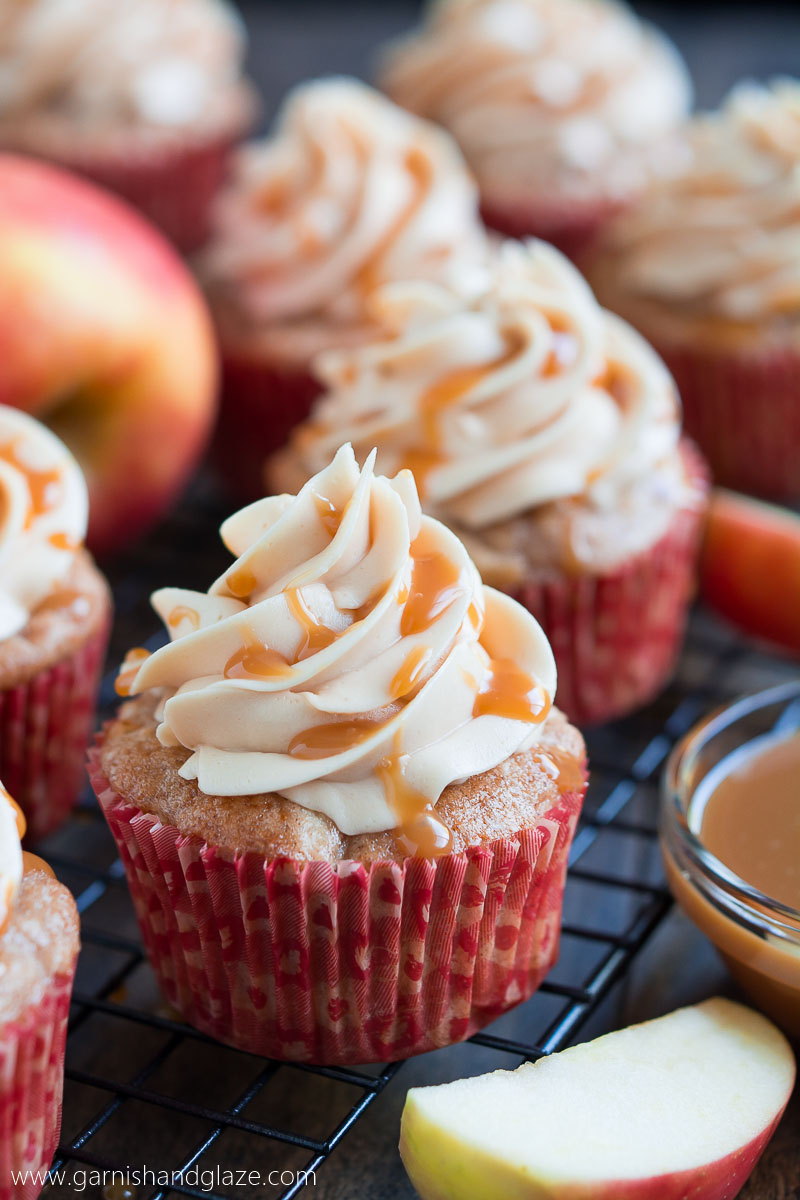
pixel 136 1074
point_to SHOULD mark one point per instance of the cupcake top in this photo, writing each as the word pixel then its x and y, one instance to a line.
pixel 348 193
pixel 156 64
pixel 12 827
pixel 563 95
pixel 721 238
pixel 350 660
pixel 527 394
pixel 43 516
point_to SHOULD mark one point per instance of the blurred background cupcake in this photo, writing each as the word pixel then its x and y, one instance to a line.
pixel 146 98
pixel 563 108
pixel 707 266
pixel 546 433
pixel 348 193
pixel 55 613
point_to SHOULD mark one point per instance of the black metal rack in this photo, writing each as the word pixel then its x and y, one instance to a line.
pixel 145 1089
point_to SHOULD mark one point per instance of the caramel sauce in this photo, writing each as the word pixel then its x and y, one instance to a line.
pixel 60 599
pixel 419 169
pixel 44 487
pixel 563 350
pixel 751 816
pixel 407 678
pixel 316 635
pixel 32 862
pixel 325 741
pixel 62 541
pixel 420 832
pixel 129 670
pixel 254 660
pixel 182 612
pixel 435 584
pixel 563 768
pixel 508 691
pixel 329 514
pixel 241 582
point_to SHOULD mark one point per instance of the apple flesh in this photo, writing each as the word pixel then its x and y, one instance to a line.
pixel 750 567
pixel 678 1107
pixel 105 337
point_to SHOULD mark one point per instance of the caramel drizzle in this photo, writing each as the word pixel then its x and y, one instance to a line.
pixel 335 737
pixel 406 681
pixel 563 768
pixel 30 862
pixel 328 513
pixel 419 168
pixel 62 541
pixel 182 612
pixel 44 487
pixel 435 585
pixel 420 832
pixel 508 691
pixel 129 670
pixel 241 582
pixel 254 660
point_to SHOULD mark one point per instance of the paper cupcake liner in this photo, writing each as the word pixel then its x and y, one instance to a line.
pixel 260 405
pixel 45 727
pixel 616 637
pixel 31 1089
pixel 744 413
pixel 571 227
pixel 349 964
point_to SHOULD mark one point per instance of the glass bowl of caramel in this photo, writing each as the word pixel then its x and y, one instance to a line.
pixel 730 837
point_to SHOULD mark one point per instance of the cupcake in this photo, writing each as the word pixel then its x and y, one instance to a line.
pixel 39 943
pixel 146 99
pixel 55 613
pixel 563 108
pixel 349 192
pixel 708 267
pixel 546 434
pixel 341 794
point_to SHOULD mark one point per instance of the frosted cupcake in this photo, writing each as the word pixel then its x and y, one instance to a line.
pixel 39 943
pixel 349 192
pixel 546 433
pixel 563 108
pixel 55 612
pixel 342 796
pixel 146 98
pixel 708 267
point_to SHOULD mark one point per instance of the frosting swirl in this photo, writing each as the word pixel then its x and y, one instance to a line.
pixel 43 516
pixel 350 660
pixel 722 236
pixel 161 63
pixel 350 192
pixel 12 827
pixel 523 395
pixel 571 94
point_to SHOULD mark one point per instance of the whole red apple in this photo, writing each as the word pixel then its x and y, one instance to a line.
pixel 105 337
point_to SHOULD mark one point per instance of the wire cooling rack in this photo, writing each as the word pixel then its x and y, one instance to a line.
pixel 145 1092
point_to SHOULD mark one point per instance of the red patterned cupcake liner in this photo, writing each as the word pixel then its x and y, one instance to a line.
pixel 744 413
pixel 45 727
pixel 348 964
pixel 260 405
pixel 31 1089
pixel 616 637
pixel 570 226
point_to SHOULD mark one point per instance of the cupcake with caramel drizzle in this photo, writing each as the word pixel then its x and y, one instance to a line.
pixel 39 943
pixel 546 434
pixel 348 695
pixel 55 613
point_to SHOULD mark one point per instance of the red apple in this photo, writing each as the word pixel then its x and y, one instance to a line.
pixel 750 567
pixel 105 337
pixel 678 1107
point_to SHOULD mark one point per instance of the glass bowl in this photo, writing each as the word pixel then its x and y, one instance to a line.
pixel 757 936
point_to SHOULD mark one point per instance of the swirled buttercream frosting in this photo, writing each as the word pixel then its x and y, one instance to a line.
pixel 558 94
pixel 350 192
pixel 526 394
pixel 721 237
pixel 160 63
pixel 12 827
pixel 350 659
pixel 43 516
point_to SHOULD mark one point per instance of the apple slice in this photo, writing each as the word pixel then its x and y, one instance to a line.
pixel 678 1107
pixel 750 566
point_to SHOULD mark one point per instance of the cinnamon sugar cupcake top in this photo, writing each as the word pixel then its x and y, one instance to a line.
pixel 12 826
pixel 348 193
pixel 350 660
pixel 554 94
pixel 528 394
pixel 43 516
pixel 159 64
pixel 721 238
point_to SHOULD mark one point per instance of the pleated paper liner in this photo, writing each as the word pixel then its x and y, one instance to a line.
pixel 45 727
pixel 31 1090
pixel 348 964
pixel 616 637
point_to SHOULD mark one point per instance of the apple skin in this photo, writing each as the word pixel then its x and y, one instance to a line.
pixel 444 1175
pixel 105 337
pixel 750 567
